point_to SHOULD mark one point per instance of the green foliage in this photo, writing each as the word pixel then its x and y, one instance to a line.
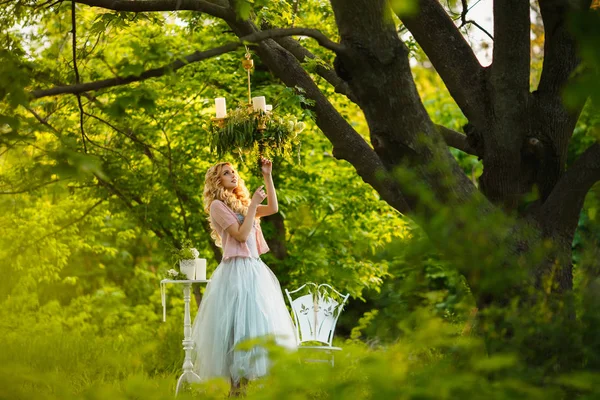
pixel 431 362
pixel 404 8
pixel 87 233
pixel 14 74
pixel 185 251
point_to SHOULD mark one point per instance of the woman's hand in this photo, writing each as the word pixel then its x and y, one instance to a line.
pixel 259 195
pixel 266 166
pixel 272 206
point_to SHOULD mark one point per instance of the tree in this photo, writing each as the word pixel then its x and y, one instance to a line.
pixel 521 136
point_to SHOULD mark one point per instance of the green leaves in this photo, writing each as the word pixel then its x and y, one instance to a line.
pixel 14 77
pixel 119 19
pixel 184 252
pixel 143 98
pixel 243 8
pixel 9 126
pixel 405 8
pixel 72 163
pixel 294 98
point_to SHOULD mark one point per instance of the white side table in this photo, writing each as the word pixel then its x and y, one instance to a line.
pixel 188 374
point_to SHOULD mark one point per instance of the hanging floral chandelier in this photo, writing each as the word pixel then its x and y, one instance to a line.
pixel 253 128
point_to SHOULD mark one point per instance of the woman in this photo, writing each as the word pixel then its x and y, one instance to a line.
pixel 243 299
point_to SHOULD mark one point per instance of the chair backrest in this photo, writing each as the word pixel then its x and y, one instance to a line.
pixel 317 312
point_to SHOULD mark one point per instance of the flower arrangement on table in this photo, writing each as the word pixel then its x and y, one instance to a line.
pixel 189 263
pixel 175 275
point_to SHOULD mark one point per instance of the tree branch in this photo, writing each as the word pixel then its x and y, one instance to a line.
pixel 43 121
pixel 108 149
pixel 192 58
pixel 561 210
pixel 465 21
pixel 554 121
pixel 147 147
pixel 510 68
pixel 456 140
pixel 510 121
pixel 163 5
pixel 560 53
pixel 76 70
pixel 301 53
pixel 85 214
pixel 31 189
pixel 452 58
pixel 175 184
pixel 114 190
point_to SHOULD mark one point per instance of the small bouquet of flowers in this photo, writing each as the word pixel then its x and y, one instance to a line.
pixel 186 258
pixel 176 275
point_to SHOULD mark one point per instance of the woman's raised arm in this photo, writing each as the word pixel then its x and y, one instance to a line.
pixel 272 205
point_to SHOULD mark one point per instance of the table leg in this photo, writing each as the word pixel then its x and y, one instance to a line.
pixel 188 374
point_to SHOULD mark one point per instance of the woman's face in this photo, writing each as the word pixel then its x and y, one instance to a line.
pixel 229 178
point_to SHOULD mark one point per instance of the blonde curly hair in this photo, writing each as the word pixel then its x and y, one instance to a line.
pixel 237 199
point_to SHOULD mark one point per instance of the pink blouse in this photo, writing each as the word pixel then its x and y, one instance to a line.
pixel 223 217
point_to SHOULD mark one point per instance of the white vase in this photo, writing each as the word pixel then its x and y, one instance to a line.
pixel 188 268
pixel 201 269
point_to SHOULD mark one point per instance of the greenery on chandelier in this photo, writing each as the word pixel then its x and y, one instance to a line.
pixel 241 134
pixel 250 134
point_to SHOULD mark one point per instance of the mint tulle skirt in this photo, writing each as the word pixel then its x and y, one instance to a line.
pixel 242 301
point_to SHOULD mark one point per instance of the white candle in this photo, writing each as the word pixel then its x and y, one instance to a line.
pixel 269 107
pixel 201 269
pixel 259 103
pixel 221 107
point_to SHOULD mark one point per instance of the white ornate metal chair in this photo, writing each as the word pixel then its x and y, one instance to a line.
pixel 315 316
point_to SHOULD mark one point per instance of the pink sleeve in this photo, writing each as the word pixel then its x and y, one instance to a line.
pixel 222 215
